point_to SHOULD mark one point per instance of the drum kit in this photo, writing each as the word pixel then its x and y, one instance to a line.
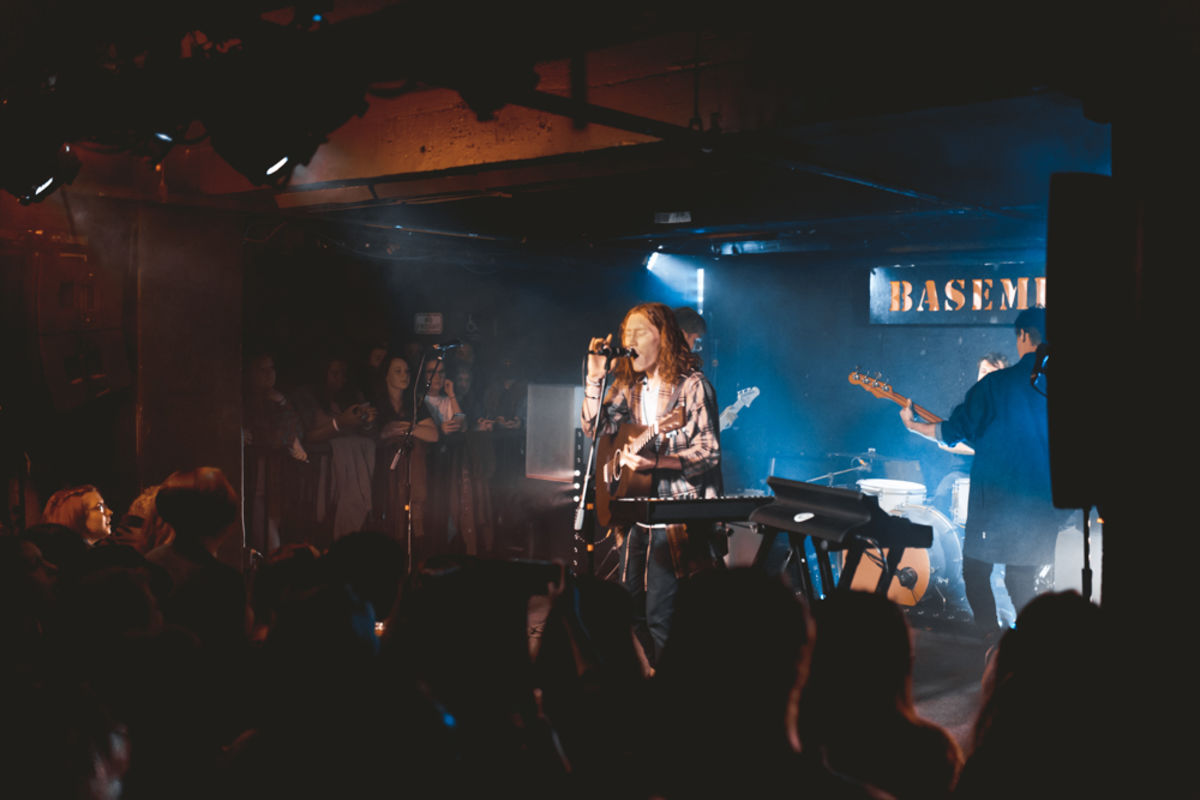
pixel 935 580
pixel 927 580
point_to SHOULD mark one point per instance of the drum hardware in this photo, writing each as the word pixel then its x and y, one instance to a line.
pixel 960 500
pixel 860 466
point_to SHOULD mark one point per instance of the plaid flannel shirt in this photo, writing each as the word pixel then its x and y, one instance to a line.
pixel 697 444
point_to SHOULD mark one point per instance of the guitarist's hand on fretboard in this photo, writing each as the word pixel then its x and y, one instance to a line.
pixel 919 427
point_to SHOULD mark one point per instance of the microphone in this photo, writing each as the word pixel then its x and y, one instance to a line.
pixel 615 351
pixel 1041 364
pixel 450 345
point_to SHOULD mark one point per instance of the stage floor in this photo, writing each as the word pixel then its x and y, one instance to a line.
pixel 947 672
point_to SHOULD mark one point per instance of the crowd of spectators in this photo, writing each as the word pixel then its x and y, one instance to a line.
pixel 137 665
pixel 406 441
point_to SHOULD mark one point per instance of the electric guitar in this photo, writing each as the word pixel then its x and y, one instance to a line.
pixel 744 398
pixel 629 483
pixel 879 388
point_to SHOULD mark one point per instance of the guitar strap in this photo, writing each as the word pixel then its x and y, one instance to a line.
pixel 673 400
pixel 677 533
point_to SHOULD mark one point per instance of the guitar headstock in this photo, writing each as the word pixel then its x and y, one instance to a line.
pixel 875 386
pixel 746 396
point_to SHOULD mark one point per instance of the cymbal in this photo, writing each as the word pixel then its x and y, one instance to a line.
pixel 867 456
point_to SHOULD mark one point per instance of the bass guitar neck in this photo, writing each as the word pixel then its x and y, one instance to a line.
pixel 881 389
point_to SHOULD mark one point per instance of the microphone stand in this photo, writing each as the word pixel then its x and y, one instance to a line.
pixel 1086 576
pixel 587 494
pixel 419 395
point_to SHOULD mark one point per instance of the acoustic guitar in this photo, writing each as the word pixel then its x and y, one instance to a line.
pixel 908 584
pixel 639 439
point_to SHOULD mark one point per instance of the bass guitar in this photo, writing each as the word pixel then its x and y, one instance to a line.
pixel 879 388
pixel 639 439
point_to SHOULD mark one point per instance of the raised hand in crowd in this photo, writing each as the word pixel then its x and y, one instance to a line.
pixel 359 416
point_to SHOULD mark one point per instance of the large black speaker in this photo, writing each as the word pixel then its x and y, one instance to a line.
pixel 1091 272
pixel 63 322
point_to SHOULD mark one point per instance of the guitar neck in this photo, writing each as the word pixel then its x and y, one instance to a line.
pixel 638 444
pixel 730 414
pixel 920 411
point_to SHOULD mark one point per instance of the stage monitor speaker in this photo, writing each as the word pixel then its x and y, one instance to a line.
pixel 1090 324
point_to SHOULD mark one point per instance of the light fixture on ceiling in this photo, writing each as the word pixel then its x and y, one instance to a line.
pixel 34 175
pixel 269 107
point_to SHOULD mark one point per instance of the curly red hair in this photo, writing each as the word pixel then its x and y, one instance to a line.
pixel 66 507
pixel 674 356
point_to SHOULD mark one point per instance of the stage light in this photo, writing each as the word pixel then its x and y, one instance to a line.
pixel 33 176
pixel 749 247
pixel 679 276
pixel 270 106
pixel 700 291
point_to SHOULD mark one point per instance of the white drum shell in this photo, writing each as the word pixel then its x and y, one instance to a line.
pixel 892 493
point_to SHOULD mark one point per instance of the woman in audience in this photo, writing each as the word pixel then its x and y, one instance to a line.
pixel 400 455
pixel 441 517
pixel 473 468
pixel 83 510
pixel 336 414
pixel 271 431
pixel 858 708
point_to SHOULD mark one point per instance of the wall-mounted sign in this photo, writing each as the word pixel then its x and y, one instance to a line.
pixel 985 294
pixel 428 322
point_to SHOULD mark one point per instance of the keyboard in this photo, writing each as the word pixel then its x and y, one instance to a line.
pixel 667 510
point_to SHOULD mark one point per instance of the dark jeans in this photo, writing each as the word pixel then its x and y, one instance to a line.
pixel 648 573
pixel 977 576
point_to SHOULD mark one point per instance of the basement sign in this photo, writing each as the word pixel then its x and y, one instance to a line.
pixel 985 294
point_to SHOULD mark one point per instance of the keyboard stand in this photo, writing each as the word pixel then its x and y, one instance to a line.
pixel 833 518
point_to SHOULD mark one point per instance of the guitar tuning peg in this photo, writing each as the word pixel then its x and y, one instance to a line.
pixel 878 376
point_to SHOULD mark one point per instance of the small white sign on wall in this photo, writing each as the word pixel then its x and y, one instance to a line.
pixel 428 322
